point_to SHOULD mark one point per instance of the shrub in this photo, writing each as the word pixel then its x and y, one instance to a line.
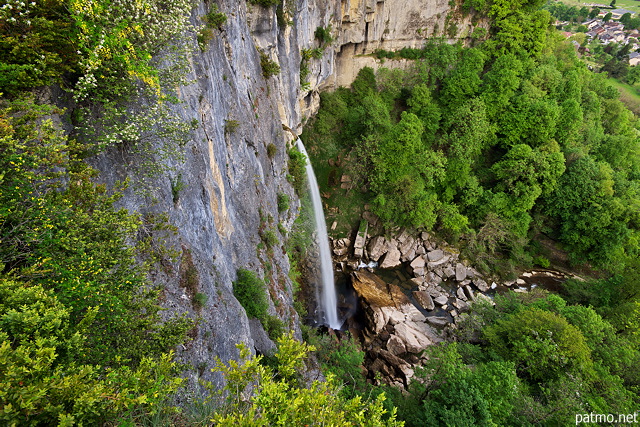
pixel 230 126
pixel 323 35
pixel 274 327
pixel 269 238
pixel 215 19
pixel 200 300
pixel 269 67
pixel 251 293
pixel 297 171
pixel 271 150
pixel 280 398
pixel 283 202
pixel 205 35
pixel 176 186
pixel 266 3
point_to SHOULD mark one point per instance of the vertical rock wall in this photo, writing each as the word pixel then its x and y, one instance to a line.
pixel 231 182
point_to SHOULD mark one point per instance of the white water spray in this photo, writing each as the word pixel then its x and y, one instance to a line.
pixel 328 299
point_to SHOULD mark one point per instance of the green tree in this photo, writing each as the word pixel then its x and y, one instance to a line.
pixel 543 345
pixel 42 383
pixel 278 398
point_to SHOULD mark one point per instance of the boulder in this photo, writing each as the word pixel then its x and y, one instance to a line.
pixel 424 329
pixel 417 281
pixel 438 322
pixel 372 289
pixel 441 300
pixel 461 305
pixel 481 284
pixel 407 248
pixel 461 272
pixel 391 259
pixel 412 314
pixel 414 341
pixel 396 346
pixel 418 262
pixel 460 294
pixel 469 292
pixel 377 247
pixel 395 316
pixel 436 255
pixel 361 239
pixel 448 272
pixel 441 261
pixel 424 299
pixel 399 298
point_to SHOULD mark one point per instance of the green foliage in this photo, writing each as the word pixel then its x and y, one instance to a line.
pixel 269 67
pixel 269 237
pixel 177 186
pixel 281 400
pixel 323 35
pixel 251 293
pixel 271 150
pixel 274 327
pixel 543 345
pixel 480 141
pixel 213 20
pixel 230 126
pixel 342 358
pixel 283 202
pixel 204 36
pixel 266 3
pixel 82 337
pixel 297 171
pixel 200 300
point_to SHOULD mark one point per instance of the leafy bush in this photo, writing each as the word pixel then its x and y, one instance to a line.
pixel 297 171
pixel 200 300
pixel 269 67
pixel 251 293
pixel 266 3
pixel 283 202
pixel 230 126
pixel 271 150
pixel 280 399
pixel 94 307
pixel 204 36
pixel 269 237
pixel 323 35
pixel 274 327
pixel 215 19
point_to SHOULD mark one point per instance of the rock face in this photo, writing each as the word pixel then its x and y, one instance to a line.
pixel 232 178
pixel 393 323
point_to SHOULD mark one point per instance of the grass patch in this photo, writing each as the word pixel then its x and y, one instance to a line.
pixel 629 95
pixel 251 293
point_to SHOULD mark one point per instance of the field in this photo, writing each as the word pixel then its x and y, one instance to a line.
pixel 632 5
pixel 630 95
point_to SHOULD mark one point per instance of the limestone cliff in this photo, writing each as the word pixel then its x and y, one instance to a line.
pixel 231 180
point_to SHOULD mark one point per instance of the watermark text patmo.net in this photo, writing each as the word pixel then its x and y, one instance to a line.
pixel 607 418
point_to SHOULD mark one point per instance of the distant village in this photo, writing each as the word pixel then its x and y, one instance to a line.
pixel 611 31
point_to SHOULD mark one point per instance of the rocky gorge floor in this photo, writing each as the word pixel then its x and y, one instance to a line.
pixel 412 290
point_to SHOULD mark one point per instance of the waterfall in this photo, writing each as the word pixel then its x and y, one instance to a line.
pixel 328 300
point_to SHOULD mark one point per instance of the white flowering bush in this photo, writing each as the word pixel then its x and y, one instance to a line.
pixel 118 40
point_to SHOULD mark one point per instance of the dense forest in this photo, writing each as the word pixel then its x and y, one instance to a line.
pixel 517 152
pixel 499 148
